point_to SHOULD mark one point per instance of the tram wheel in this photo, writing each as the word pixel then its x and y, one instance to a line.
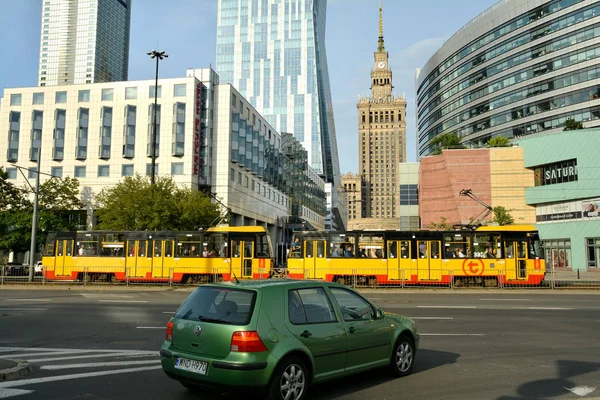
pixel 457 282
pixel 372 282
pixel 340 280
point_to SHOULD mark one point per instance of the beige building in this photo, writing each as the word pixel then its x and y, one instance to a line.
pixel 381 142
pixel 353 186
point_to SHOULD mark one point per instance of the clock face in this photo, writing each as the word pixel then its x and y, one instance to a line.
pixel 381 64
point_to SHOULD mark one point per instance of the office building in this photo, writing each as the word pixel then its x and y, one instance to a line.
pixel 273 52
pixel 381 141
pixel 520 68
pixel 84 41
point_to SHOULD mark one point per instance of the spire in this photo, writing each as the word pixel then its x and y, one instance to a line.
pixel 381 47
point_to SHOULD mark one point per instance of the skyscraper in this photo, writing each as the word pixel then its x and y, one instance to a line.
pixel 84 41
pixel 381 141
pixel 273 52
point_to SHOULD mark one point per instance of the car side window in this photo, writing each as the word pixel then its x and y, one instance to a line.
pixel 309 306
pixel 354 307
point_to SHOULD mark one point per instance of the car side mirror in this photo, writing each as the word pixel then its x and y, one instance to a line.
pixel 379 314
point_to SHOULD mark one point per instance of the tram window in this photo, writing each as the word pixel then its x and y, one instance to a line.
pixel 112 245
pixel 216 244
pixel 248 249
pixel 87 244
pixel 371 245
pixel 50 249
pixel 189 245
pixel 308 246
pixel 435 249
pixel 392 249
pixel 522 247
pixel 140 249
pixel 508 249
pixel 168 248
pixel 69 248
pixel 422 249
pixel 157 248
pixel 262 246
pixel 342 245
pixel 320 249
pixel 457 245
pixel 235 248
pixel 404 249
pixel 486 245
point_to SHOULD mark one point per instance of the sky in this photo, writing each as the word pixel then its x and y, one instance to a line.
pixel 186 30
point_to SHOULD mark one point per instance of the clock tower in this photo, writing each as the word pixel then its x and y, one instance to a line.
pixel 381 146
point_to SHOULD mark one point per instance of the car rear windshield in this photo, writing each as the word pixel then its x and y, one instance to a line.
pixel 218 305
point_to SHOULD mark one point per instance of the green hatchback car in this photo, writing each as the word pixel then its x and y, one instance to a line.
pixel 282 335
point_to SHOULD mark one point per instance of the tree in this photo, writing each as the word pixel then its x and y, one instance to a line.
pixel 502 216
pixel 441 226
pixel 134 204
pixel 499 141
pixel 446 141
pixel 571 125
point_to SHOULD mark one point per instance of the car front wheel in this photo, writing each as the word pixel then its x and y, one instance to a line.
pixel 290 381
pixel 403 356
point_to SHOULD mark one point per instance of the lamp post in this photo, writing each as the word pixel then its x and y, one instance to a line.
pixel 33 245
pixel 159 55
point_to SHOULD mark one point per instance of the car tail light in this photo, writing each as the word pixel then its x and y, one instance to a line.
pixel 247 342
pixel 169 335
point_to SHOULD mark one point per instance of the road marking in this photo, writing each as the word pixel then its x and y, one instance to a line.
pixel 115 354
pixel 46 353
pixel 23 309
pixel 96 365
pixel 123 301
pixel 581 390
pixel 504 299
pixel 431 317
pixel 150 327
pixel 168 312
pixel 27 299
pixel 129 352
pixel 541 308
pixel 452 334
pixel 33 381
pixel 6 393
pixel 447 306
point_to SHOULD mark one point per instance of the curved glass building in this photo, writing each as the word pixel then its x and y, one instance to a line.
pixel 520 68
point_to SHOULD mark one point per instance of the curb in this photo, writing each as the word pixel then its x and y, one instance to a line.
pixel 21 369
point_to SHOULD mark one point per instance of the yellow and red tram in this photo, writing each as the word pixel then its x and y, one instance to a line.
pixel 486 256
pixel 218 253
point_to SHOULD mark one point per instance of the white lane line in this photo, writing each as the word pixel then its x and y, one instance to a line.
pixel 447 306
pixel 6 393
pixel 168 312
pixel 96 365
pixel 23 309
pixel 27 299
pixel 46 353
pixel 504 299
pixel 452 334
pixel 33 381
pixel 116 354
pixel 431 317
pixel 123 301
pixel 151 327
pixel 541 308
pixel 130 352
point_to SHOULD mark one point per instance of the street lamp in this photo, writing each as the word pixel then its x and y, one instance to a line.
pixel 159 55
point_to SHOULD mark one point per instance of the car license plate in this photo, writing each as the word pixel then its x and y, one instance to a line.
pixel 199 367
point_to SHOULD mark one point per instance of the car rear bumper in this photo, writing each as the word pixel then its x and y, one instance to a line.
pixel 221 373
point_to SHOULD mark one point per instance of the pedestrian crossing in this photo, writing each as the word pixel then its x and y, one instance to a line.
pixel 63 364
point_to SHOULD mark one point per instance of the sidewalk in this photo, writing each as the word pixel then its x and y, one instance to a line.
pixel 10 370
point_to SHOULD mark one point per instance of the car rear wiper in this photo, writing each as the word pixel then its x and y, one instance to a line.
pixel 206 319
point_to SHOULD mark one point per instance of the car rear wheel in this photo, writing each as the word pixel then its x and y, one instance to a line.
pixel 290 381
pixel 403 356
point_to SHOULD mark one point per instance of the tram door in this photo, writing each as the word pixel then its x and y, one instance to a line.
pixel 521 259
pixel 64 250
pixel 162 255
pixel 510 262
pixel 429 261
pixel 314 259
pixel 392 260
pixel 242 252
pixel 137 262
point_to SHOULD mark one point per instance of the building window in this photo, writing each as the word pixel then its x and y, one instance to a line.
pixel 84 96
pixel 127 170
pixel 179 90
pixel 82 134
pixel 107 94
pixel 61 97
pixel 80 171
pixel 409 195
pixel 593 251
pixel 58 151
pixel 149 169
pixel 130 93
pixel 232 175
pixel 32 173
pixel 38 98
pixel 177 168
pixel 106 133
pixel 129 137
pixel 13 136
pixel 151 94
pixel 151 129
pixel 557 253
pixel 57 172
pixel 11 173
pixel 179 130
pixel 103 170
pixel 15 99
pixel 36 134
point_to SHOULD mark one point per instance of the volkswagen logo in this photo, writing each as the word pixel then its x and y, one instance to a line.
pixel 197 330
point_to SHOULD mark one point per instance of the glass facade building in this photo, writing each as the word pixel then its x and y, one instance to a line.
pixel 520 68
pixel 273 52
pixel 84 41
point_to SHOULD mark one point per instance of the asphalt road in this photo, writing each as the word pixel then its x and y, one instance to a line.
pixel 504 345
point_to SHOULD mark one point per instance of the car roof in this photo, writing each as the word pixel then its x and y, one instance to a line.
pixel 259 284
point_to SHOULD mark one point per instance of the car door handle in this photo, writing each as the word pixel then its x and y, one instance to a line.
pixel 306 334
pixel 351 329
